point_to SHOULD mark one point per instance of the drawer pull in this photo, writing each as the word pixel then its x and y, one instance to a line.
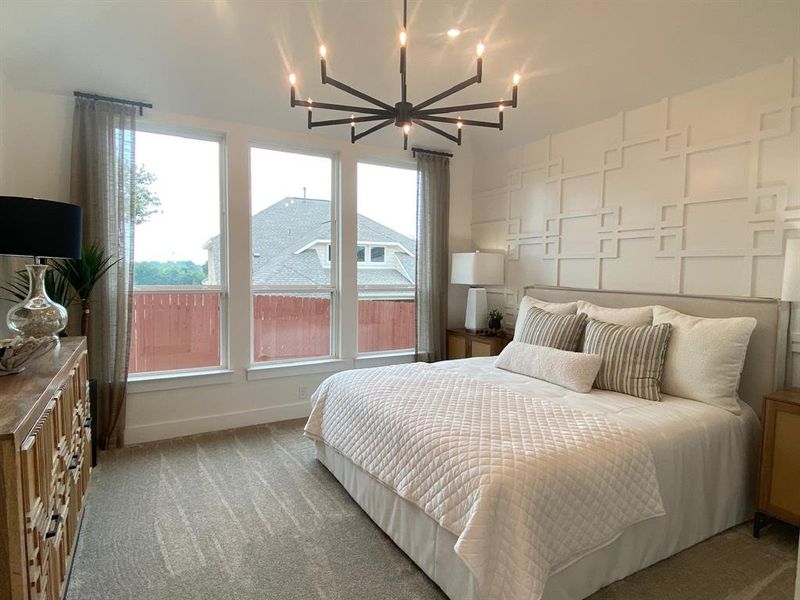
pixel 57 518
pixel 88 422
pixel 73 464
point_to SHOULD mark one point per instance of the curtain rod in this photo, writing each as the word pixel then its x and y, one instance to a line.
pixel 435 152
pixel 140 105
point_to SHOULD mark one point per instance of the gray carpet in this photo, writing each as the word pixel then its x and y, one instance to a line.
pixel 250 514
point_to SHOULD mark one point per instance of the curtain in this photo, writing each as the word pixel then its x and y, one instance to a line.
pixel 433 207
pixel 103 182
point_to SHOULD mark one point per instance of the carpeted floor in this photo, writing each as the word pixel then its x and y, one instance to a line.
pixel 250 514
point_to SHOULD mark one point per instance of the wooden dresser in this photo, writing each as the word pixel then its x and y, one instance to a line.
pixel 779 475
pixel 45 463
pixel 462 343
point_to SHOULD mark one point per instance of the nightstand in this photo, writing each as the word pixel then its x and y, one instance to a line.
pixel 779 474
pixel 462 343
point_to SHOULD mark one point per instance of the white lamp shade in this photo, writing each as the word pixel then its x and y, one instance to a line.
pixel 477 268
pixel 790 290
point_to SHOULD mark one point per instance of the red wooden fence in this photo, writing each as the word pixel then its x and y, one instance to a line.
pixel 181 330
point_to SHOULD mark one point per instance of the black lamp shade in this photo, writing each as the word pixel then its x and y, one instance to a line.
pixel 33 227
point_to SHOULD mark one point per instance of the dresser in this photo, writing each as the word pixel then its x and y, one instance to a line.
pixel 45 464
pixel 779 474
pixel 462 343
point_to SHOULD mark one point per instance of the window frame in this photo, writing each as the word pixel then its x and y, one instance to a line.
pixel 223 289
pixel 333 253
pixel 383 292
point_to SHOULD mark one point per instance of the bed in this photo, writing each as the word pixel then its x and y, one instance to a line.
pixel 703 459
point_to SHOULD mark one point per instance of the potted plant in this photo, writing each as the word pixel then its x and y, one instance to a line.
pixel 83 274
pixel 495 318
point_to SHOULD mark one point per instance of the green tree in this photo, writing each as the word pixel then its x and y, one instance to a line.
pixel 146 201
pixel 182 272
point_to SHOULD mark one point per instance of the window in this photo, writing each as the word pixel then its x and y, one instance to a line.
pixel 179 270
pixel 387 231
pixel 294 254
pixel 377 254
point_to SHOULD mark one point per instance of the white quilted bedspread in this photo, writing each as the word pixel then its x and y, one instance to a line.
pixel 526 484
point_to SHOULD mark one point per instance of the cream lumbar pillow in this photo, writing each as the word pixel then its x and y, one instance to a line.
pixel 575 371
pixel 638 316
pixel 704 357
pixel 556 308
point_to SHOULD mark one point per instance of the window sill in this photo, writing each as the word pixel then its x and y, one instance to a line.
pixel 157 382
pixel 380 359
pixel 293 369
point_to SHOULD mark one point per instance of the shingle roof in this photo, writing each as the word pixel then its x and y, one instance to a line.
pixel 280 231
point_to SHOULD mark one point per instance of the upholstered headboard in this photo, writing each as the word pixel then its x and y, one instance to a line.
pixel 765 365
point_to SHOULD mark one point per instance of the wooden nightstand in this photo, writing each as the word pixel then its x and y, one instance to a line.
pixel 462 343
pixel 779 475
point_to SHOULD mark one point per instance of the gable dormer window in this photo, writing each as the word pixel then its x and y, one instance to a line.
pixel 377 254
pixel 361 254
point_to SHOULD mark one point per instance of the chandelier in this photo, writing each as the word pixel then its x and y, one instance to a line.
pixel 404 114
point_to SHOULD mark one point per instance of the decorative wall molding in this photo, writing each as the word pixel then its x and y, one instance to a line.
pixel 694 194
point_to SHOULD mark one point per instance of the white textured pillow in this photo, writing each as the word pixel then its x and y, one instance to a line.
pixel 704 357
pixel 573 370
pixel 566 308
pixel 638 316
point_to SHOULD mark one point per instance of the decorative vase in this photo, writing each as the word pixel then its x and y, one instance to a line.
pixel 495 323
pixel 37 316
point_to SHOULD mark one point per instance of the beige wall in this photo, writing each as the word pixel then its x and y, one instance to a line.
pixel 36 146
pixel 694 194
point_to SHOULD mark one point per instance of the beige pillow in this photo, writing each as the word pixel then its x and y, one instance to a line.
pixel 704 357
pixel 573 370
pixel 638 316
pixel 566 308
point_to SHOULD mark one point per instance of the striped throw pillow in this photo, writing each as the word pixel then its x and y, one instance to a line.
pixel 632 357
pixel 542 328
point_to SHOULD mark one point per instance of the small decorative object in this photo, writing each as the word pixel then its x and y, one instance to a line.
pixel 405 114
pixel 38 228
pixel 495 318
pixel 16 352
pixel 477 269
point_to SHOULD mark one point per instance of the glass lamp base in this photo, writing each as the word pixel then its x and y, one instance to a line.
pixel 37 315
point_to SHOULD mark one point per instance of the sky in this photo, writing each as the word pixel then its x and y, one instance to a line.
pixel 187 182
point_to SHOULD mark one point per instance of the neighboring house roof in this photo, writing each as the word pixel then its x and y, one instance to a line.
pixel 285 252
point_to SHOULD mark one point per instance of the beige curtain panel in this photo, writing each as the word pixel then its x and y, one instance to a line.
pixel 103 182
pixel 433 208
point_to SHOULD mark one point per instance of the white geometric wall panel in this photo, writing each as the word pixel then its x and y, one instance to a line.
pixel 694 194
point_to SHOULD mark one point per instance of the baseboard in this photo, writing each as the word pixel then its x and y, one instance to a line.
pixel 171 429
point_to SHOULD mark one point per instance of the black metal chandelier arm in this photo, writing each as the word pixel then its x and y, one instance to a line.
pixel 455 121
pixel 351 120
pixel 461 108
pixel 441 132
pixel 456 88
pixel 357 136
pixel 354 92
pixel 345 108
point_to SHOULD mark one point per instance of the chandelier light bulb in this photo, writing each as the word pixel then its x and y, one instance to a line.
pixel 459 124
pixel 292 79
pixel 454 32
pixel 479 49
pixel 500 107
pixel 516 78
pixel 323 51
pixel 406 128
pixel 310 102
pixel 403 38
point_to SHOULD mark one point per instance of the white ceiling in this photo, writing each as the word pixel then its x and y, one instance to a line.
pixel 581 60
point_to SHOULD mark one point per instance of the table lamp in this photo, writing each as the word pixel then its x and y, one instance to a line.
pixel 477 269
pixel 790 290
pixel 41 229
